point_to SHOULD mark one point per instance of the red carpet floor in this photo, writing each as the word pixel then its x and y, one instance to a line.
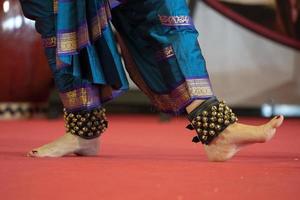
pixel 143 159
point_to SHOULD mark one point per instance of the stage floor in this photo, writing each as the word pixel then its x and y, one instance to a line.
pixel 145 159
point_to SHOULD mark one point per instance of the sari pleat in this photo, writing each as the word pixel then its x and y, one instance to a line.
pixel 158 42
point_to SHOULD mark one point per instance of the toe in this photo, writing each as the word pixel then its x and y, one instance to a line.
pixel 33 153
pixel 269 129
pixel 276 121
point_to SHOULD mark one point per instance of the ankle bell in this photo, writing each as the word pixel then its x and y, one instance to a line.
pixel 209 119
pixel 86 124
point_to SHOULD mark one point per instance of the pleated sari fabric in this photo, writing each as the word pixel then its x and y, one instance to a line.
pixel 157 40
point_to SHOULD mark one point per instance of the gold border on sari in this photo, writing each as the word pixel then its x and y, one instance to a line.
pixel 81 98
pixel 181 20
pixel 67 42
pixel 70 42
pixel 49 42
pixel 55 6
pixel 165 53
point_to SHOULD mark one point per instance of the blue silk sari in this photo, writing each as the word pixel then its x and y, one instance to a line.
pixel 158 43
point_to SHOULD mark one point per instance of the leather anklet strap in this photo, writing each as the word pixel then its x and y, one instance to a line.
pixel 209 119
pixel 86 124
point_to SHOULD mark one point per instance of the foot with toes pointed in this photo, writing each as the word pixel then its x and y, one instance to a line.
pixel 237 136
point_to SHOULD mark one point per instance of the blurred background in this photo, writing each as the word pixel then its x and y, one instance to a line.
pixel 251 48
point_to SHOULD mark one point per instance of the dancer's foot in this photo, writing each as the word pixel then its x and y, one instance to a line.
pixel 65 145
pixel 237 135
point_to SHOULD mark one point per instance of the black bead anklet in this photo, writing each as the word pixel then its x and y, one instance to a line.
pixel 86 124
pixel 209 119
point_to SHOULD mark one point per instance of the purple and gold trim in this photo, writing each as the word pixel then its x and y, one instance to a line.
pixel 165 53
pixel 199 87
pixel 181 20
pixel 55 6
pixel 68 42
pixel 81 99
pixel 178 98
pixel 49 42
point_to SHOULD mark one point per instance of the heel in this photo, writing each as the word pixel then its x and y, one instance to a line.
pixel 88 152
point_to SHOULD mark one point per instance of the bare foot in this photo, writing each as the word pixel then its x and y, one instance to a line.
pixel 67 144
pixel 237 136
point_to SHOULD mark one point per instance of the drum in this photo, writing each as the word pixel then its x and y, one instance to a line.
pixel 24 72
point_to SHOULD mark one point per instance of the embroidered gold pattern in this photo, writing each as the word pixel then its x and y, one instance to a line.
pixel 199 87
pixel 165 53
pixel 67 42
pixel 175 20
pixel 55 6
pixel 183 93
pixel 70 42
pixel 82 97
pixel 49 42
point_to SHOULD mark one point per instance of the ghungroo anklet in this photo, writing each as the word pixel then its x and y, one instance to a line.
pixel 209 119
pixel 86 124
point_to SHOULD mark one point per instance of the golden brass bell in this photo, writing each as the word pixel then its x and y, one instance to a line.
pixel 220 115
pixel 226 122
pixel 212 125
pixel 214 108
pixel 220 120
pixel 80 132
pixel 218 127
pixel 213 119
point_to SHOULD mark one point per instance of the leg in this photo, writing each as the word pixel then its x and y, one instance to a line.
pixel 163 31
pixel 84 79
pixel 161 52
